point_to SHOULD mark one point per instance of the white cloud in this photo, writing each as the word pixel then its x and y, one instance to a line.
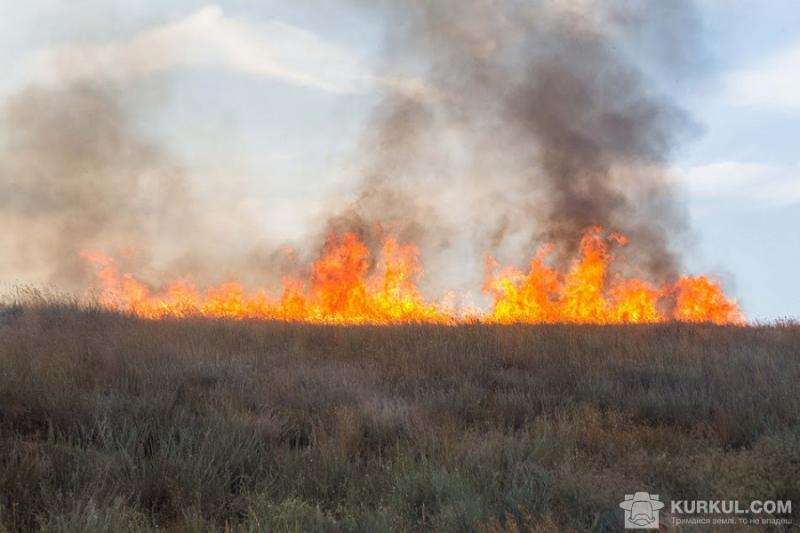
pixel 773 84
pixel 763 184
pixel 210 38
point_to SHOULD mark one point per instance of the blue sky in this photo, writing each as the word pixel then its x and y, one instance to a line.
pixel 272 96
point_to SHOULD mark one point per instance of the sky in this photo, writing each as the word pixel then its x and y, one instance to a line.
pixel 272 97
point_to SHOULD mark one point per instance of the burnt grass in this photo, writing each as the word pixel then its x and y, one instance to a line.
pixel 111 423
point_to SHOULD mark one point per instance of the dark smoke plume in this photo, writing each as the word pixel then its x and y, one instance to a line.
pixel 540 121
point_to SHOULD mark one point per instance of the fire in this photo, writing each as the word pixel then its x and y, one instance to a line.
pixel 341 290
pixel 344 288
pixel 586 295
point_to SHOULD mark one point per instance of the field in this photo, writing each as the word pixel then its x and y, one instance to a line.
pixel 112 423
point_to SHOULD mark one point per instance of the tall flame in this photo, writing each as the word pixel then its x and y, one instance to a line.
pixel 344 289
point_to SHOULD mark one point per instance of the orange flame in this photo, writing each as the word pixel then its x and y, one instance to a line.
pixel 344 289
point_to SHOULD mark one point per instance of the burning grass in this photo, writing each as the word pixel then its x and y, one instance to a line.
pixel 113 423
pixel 344 289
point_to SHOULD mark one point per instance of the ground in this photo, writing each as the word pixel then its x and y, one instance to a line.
pixel 113 423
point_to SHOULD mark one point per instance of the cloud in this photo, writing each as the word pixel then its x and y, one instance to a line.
pixel 772 84
pixel 765 185
pixel 208 38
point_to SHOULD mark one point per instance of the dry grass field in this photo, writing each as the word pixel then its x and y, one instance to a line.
pixel 112 423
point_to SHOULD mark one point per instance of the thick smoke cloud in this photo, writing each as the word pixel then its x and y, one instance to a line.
pixel 540 121
pixel 529 122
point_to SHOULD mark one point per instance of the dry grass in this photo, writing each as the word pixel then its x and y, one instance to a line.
pixel 109 423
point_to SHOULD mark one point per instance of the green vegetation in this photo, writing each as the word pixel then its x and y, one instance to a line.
pixel 110 423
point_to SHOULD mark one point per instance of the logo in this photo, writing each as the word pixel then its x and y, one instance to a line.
pixel 641 510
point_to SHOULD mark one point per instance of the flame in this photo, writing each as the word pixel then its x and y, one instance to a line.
pixel 700 299
pixel 344 288
pixel 585 295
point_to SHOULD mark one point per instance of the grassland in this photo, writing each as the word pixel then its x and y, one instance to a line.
pixel 110 423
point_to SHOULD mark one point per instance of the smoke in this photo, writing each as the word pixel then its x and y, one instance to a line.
pixel 542 121
pixel 528 122
pixel 76 173
pixel 73 173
